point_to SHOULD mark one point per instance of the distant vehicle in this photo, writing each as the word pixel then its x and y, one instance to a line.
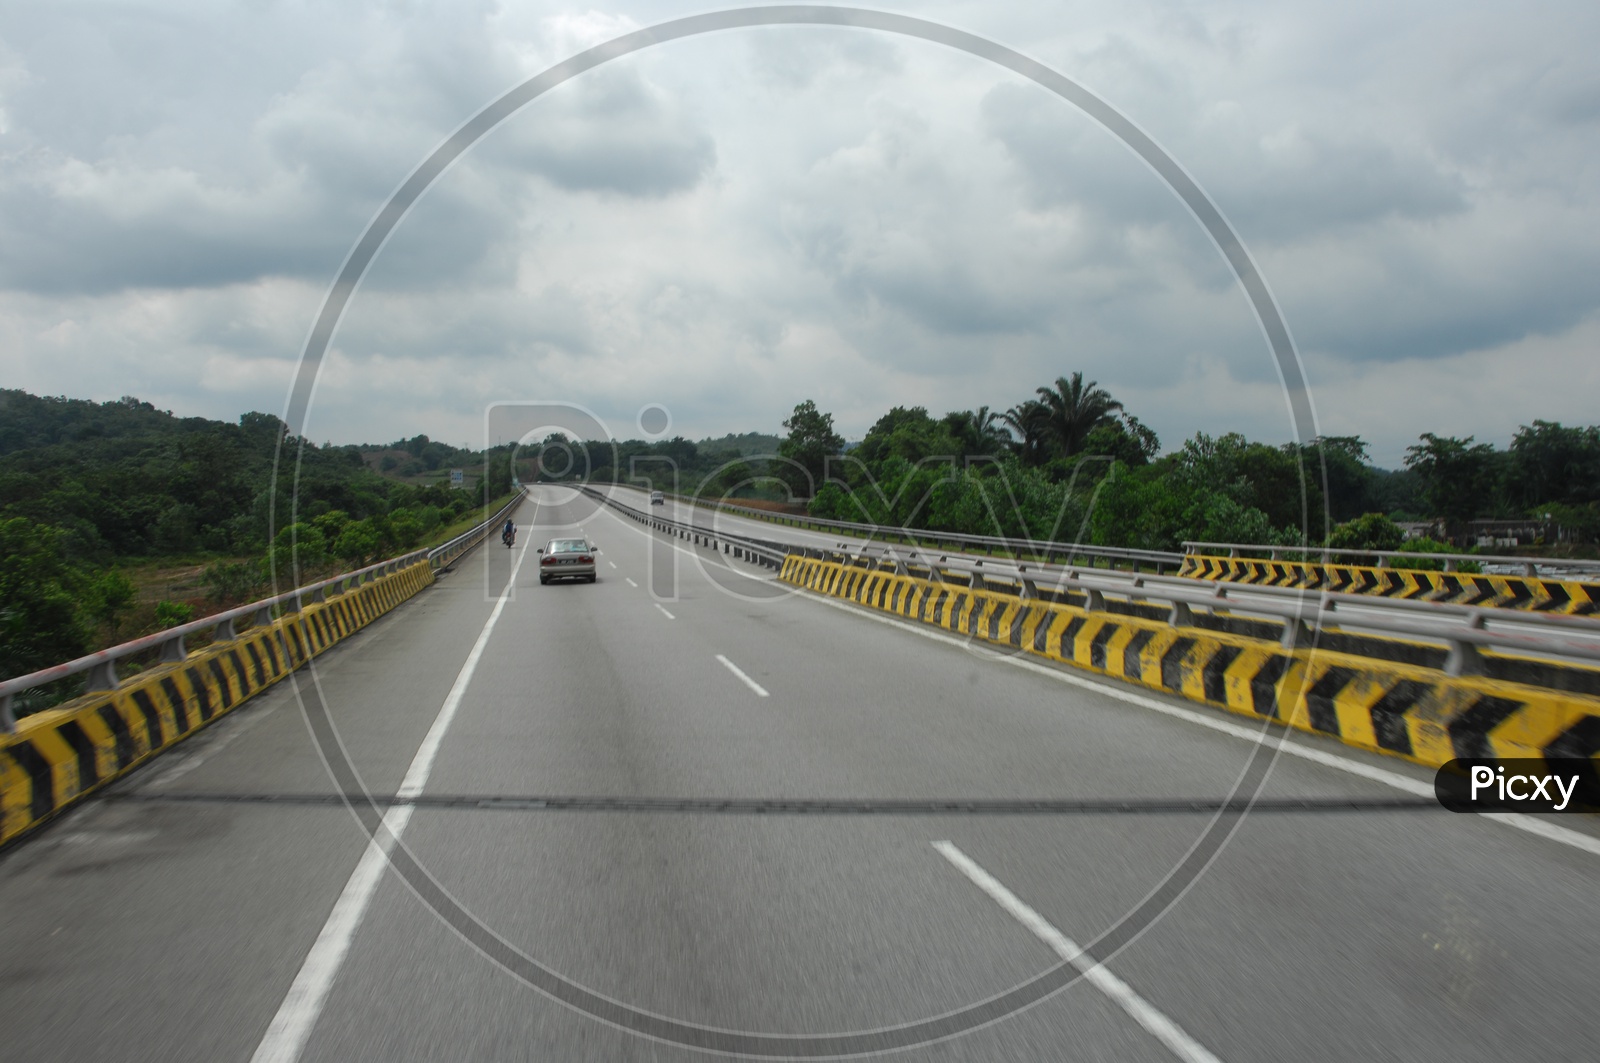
pixel 657 498
pixel 567 559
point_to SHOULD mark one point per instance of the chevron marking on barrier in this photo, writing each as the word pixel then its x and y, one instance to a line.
pixel 59 755
pixel 1399 709
pixel 1455 588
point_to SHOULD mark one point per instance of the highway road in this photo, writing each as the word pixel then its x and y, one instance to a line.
pixel 613 780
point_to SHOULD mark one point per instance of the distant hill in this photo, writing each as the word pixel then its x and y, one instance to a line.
pixel 124 479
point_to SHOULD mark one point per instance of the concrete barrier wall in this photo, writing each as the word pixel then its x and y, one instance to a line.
pixel 58 756
pixel 1405 710
pixel 1457 588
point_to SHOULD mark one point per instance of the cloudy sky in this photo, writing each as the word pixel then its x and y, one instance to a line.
pixel 730 224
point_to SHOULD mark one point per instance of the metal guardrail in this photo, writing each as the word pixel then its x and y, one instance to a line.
pixel 102 665
pixel 1463 629
pixel 446 555
pixel 1047 549
pixel 764 552
pixel 1300 619
pixel 1530 566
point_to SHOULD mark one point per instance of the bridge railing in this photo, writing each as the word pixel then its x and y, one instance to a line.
pixel 172 643
pixel 1049 550
pixel 1300 612
pixel 1385 558
pixel 764 552
pixel 1462 629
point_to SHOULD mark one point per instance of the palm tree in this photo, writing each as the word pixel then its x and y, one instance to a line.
pixel 1073 410
pixel 979 431
pixel 1031 423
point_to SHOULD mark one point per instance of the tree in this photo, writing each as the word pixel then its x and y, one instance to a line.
pixel 1349 486
pixel 1552 463
pixel 1456 480
pixel 108 597
pixel 358 541
pixel 1127 440
pixel 907 433
pixel 38 624
pixel 171 614
pixel 980 431
pixel 1254 475
pixel 405 529
pixel 1029 421
pixel 1370 531
pixel 1073 409
pixel 810 443
pixel 297 551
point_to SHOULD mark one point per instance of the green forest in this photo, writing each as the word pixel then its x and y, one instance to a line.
pixel 100 500
pixel 1072 464
pixel 106 507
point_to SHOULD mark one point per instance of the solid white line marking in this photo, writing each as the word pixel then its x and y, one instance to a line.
pixel 630 582
pixel 297 1015
pixel 1520 820
pixel 760 690
pixel 664 612
pixel 1121 993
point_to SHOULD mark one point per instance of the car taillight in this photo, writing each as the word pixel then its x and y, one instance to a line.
pixel 547 561
pixel 586 559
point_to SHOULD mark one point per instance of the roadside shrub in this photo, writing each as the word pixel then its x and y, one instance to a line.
pixel 231 580
pixel 1426 546
pixel 1370 531
pixel 171 614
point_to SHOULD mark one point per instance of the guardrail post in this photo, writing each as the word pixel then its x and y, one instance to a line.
pixel 1295 631
pixel 224 631
pixel 1530 570
pixel 263 616
pixel 1180 615
pixel 1463 659
pixel 1449 564
pixel 1094 601
pixel 173 650
pixel 103 676
pixel 8 722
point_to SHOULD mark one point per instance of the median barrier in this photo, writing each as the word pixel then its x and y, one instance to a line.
pixel 1456 588
pixel 57 756
pixel 1422 714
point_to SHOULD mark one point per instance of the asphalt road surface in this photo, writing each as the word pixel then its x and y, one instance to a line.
pixel 717 804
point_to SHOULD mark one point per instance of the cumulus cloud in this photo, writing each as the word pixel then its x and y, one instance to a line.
pixel 730 224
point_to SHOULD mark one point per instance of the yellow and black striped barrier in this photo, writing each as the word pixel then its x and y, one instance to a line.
pixel 59 755
pixel 1418 713
pixel 1456 588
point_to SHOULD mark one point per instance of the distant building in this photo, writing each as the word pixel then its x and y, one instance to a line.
pixel 1523 531
pixel 1422 529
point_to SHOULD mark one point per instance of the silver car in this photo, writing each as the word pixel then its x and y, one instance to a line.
pixel 567 559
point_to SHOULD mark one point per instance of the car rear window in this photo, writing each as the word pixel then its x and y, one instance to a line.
pixel 563 546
